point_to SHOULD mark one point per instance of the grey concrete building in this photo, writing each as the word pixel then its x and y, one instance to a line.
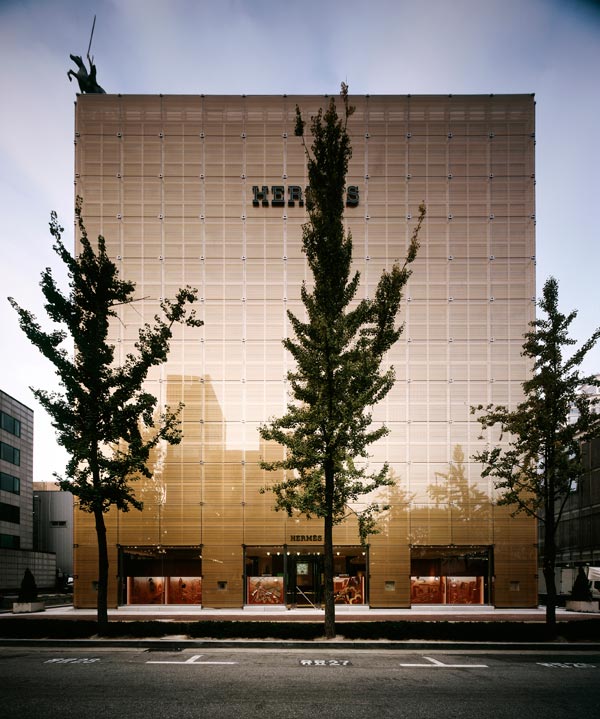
pixel 17 550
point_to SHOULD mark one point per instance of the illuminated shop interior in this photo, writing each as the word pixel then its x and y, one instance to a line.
pixel 293 575
pixel 450 575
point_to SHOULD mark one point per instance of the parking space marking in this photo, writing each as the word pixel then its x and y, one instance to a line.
pixel 566 665
pixel 191 660
pixel 437 663
pixel 80 660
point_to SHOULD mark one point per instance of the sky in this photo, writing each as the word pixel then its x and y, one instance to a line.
pixel 545 47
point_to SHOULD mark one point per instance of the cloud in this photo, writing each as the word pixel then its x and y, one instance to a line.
pixel 259 47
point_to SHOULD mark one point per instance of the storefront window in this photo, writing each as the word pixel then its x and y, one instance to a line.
pixel 265 590
pixel 450 575
pixel 349 590
pixel 161 575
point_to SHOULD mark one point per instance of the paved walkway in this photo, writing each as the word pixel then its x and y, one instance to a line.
pixel 281 614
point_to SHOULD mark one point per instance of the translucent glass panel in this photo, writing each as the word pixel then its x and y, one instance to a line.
pixel 206 191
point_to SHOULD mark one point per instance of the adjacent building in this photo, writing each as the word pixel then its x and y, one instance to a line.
pixel 53 526
pixel 209 191
pixel 17 548
pixel 578 534
pixel 578 537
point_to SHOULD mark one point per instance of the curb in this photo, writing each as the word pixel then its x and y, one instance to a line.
pixel 181 644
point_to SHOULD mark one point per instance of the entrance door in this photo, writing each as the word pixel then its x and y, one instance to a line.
pixel 304 580
pixel 293 575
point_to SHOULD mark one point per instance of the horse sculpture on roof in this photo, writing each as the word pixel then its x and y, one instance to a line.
pixel 87 80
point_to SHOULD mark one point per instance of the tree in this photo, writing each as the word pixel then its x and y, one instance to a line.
pixel 28 592
pixel 338 353
pixel 535 470
pixel 105 420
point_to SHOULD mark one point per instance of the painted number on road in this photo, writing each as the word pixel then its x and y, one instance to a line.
pixel 566 665
pixel 325 663
pixel 81 660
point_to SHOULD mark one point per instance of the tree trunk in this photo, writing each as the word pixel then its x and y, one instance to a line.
pixel 102 603
pixel 328 556
pixel 548 569
pixel 328 572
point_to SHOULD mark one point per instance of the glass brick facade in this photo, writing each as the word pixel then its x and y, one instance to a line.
pixel 207 191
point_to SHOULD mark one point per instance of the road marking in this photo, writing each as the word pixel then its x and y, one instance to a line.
pixel 191 660
pixel 325 663
pixel 566 665
pixel 437 663
pixel 81 660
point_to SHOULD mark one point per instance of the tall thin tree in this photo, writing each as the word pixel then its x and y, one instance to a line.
pixel 541 457
pixel 103 417
pixel 338 353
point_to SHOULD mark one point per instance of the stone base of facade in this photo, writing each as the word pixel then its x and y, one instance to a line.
pixel 28 607
pixel 591 607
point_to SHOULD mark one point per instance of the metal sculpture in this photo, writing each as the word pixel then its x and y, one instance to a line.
pixel 86 79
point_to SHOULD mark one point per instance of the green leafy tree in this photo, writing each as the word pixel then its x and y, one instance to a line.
pixel 338 353
pixel 105 420
pixel 535 469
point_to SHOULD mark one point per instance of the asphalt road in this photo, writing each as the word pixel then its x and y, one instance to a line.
pixel 296 684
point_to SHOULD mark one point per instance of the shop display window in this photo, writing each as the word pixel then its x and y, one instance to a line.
pixel 164 590
pixel 161 575
pixel 447 575
pixel 426 590
pixel 447 590
pixel 349 590
pixel 145 590
pixel 265 590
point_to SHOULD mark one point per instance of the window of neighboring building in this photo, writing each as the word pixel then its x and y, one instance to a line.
pixel 10 454
pixel 58 523
pixel 9 541
pixel 10 513
pixel 10 424
pixel 8 483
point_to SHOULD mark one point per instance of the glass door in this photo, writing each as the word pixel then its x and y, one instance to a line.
pixel 305 580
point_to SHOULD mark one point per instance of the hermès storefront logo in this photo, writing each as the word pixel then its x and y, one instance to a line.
pixel 280 196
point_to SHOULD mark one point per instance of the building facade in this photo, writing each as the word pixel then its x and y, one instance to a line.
pixel 17 549
pixel 578 535
pixel 208 191
pixel 53 526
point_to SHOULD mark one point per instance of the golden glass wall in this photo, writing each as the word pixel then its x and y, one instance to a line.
pixel 169 182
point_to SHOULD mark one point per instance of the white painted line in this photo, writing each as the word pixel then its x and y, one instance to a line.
pixel 437 663
pixel 191 660
pixel 81 660
pixel 566 665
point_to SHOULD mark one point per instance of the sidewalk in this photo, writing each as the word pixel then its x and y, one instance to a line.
pixel 344 613
pixel 173 640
